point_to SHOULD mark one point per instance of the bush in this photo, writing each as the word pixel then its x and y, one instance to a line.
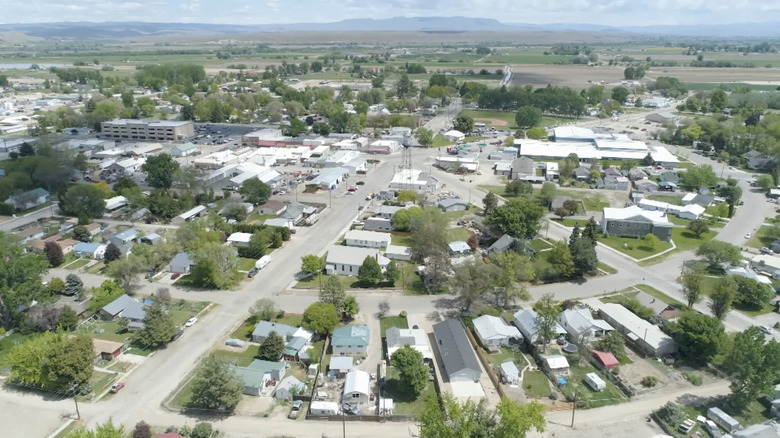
pixel 403 314
pixel 695 379
pixel 616 371
pixel 649 381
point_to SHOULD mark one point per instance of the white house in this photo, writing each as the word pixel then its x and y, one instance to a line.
pixel 29 199
pixel 183 150
pixel 454 135
pixel 581 326
pixel 556 364
pixel 493 332
pixel 357 388
pixel 383 147
pixel 415 338
pixel 115 203
pixel 288 387
pixel 128 166
pixel 346 260
pixel 642 333
pixel 240 240
pixel 525 321
pixel 398 252
pixel 367 239
pixel 458 247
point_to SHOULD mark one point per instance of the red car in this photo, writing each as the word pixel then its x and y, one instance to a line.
pixel 352 189
pixel 175 276
pixel 117 386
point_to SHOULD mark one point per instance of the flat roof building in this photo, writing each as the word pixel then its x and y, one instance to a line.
pixel 148 129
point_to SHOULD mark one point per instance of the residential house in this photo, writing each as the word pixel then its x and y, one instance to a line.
pixel 636 174
pixel 279 222
pixel 509 373
pixel 89 249
pixel 669 176
pixel 635 222
pixel 387 211
pixel 581 326
pixel 106 350
pixel 347 260
pixel 459 248
pixel 644 335
pixel 525 321
pixel 259 374
pixel 340 365
pixel 522 166
pixel 503 168
pixel 646 185
pixel 690 211
pixel 288 387
pixel 352 339
pixel 556 365
pixel 757 431
pixel 151 239
pixel 239 240
pixel 66 245
pixel 378 224
pixel 747 271
pixel 453 204
pixel 582 173
pixel 115 203
pixel 288 332
pixel 181 264
pixel 558 202
pixel 612 171
pixel 503 244
pixel 29 199
pixel 189 215
pixel 248 208
pixel 609 182
pixel 272 207
pixel 127 167
pixel 766 264
pixel 357 388
pixel 658 307
pixel 94 229
pixel 698 199
pixel 757 160
pixel 458 359
pixel 124 307
pixel 494 332
pixel 295 211
pixel 124 237
pixel 138 214
pixel 415 338
pixel 367 239
pixel 183 150
pixel 398 252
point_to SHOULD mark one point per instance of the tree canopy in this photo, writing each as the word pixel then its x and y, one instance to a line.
pixel 83 201
pixel 216 386
pixel 53 361
pixel 413 372
pixel 321 318
pixel 160 170
pixel 754 365
pixel 255 191
pixel 519 218
pixel 700 337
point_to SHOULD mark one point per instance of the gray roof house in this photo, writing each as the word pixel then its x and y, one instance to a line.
pixel 504 243
pixel 493 331
pixel 124 237
pixel 457 356
pixel 522 166
pixel 582 173
pixel 257 374
pixel 124 307
pixel 636 174
pixel 387 211
pixel 378 224
pixel 264 328
pixel 669 176
pixel 181 263
pixel 288 387
pixel 581 326
pixel 340 364
pixel 646 185
pixel 635 222
pixel 453 204
pixel 525 321
pixel 29 199
pixel 151 239
pixel 757 160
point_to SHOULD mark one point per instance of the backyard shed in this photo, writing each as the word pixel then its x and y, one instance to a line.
pixel 510 373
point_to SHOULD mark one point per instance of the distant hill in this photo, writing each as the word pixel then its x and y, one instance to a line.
pixel 118 30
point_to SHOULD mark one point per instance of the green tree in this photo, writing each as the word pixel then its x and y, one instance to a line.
pixel 142 430
pixel 536 133
pixel 112 253
pixel 718 99
pixel 692 281
pixel 160 170
pixel 392 272
pixel 424 136
pixel 547 193
pixel 490 201
pixel 236 212
pixel 264 309
pixel 620 94
pixel 53 253
pixel 753 365
pixel 333 292
pixel 471 280
pixel 464 124
pixel 547 312
pixel 516 188
pixel 561 261
pixel 107 292
pixel 718 252
pixel 698 227
pixel 203 430
pixel 73 285
pixel 652 241
pixel 612 342
pixel 765 182
pixel 700 337
pixel 584 257
pixel 699 176
pixel 527 117
pixel 351 306
pixel 81 234
pixel 83 201
pixel 722 297
pixel 105 430
pixel 519 218
pixel 413 373
pixel 67 320
pixel 272 347
pixel 370 272
pixel 405 196
pixel 158 325
pixel 402 219
pixel 321 318
pixel 516 269
pixel 311 264
pixel 752 293
pixel 216 265
pixel 255 191
pixel 429 235
pixel 53 361
pixel 56 285
pixel 20 280
pixel 216 386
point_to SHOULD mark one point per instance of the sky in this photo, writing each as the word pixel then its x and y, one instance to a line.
pixel 601 12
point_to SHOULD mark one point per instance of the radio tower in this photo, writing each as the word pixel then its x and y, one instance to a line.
pixel 406 167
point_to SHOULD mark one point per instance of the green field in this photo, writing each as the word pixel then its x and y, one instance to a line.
pixel 392 321
pixel 406 403
pixel 78 264
pixel 504 116
pixel 708 86
pixel 536 384
pixel 636 248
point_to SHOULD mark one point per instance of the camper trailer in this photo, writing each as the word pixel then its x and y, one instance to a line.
pixel 723 420
pixel 324 408
pixel 595 382
pixel 263 262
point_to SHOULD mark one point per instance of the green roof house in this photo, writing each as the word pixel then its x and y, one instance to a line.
pixel 352 339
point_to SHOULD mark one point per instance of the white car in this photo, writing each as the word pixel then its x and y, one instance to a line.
pixel 190 322
pixel 748 235
pixel 765 329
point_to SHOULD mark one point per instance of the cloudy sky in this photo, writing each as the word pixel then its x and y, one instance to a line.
pixel 603 12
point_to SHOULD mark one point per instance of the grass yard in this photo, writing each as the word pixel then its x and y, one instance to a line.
pixel 104 330
pixel 496 359
pixel 457 215
pixel 245 264
pixel 440 141
pixel 686 241
pixel 183 397
pixel 69 428
pixel 78 264
pixel 456 234
pixel 259 218
pixel 496 190
pixel 657 294
pixel 636 248
pixel 314 281
pixel 588 398
pixel 505 116
pixel 292 319
pixel 606 268
pixel 539 244
pixel 100 381
pixel 240 358
pixel 669 199
pixel 536 384
pixel 96 269
pixel 571 223
pixel 392 321
pixel 405 402
pixel 761 238
pixel 401 238
pixel 593 202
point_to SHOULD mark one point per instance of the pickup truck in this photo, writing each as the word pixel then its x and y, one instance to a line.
pixel 296 410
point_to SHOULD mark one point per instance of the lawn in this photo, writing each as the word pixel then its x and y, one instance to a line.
pixel 686 241
pixel 536 384
pixel 606 268
pixel 401 238
pixel 182 398
pixel 504 355
pixel 439 141
pixel 405 401
pixel 636 248
pixel 80 263
pixel 588 398
pixel 69 428
pixel 292 319
pixel 314 281
pixel 392 321
pixel 571 223
pixel 245 264
pixel 457 215
pixel 669 199
pixel 97 268
pixel 761 238
pixel 657 294
pixel 259 218
pixel 456 234
pixel 593 202
pixel 505 116
pixel 240 358
pixel 496 190
pixel 100 381
pixel 539 244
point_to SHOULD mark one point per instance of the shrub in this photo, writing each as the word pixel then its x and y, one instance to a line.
pixel 695 379
pixel 649 381
pixel 403 314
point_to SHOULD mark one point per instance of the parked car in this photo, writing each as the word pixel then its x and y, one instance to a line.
pixel 352 189
pixel 748 235
pixel 117 386
pixel 177 335
pixel 767 330
pixel 190 322
pixel 360 183
pixel 296 410
pixel 765 250
pixel 252 272
pixel 175 275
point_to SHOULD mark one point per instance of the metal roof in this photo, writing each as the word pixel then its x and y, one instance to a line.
pixel 454 347
pixel 350 335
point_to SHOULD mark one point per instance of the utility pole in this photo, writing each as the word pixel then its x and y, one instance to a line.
pixel 78 414
pixel 573 407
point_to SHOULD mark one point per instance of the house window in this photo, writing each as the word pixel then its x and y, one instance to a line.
pixel 355 395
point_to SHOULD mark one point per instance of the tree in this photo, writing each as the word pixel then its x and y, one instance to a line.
pixel 158 325
pixel 698 227
pixel 652 241
pixel 429 236
pixel 83 201
pixel 402 219
pixel 591 230
pixel 584 257
pixel 732 194
pixel 722 297
pixel 547 193
pixel 351 306
pixel 472 279
pixel 255 191
pixel 321 318
pixel 73 285
pixel 106 430
pixel 203 430
pixel 464 124
pixel 753 365
pixel 81 234
pixel 53 361
pixel 272 347
pixel 142 430
pixel 405 196
pixel 392 272
pixel 765 182
pixel 107 292
pixel 620 94
pixel 560 259
pixel 384 307
pixel 160 170
pixel 67 320
pixel 56 285
pixel 547 312
pixel 413 373
pixel 751 293
pixel 112 253
pixel 264 309
pixel 333 292
pixel 699 176
pixel 236 212
pixel 718 99
pixel 537 133
pixel 612 342
pixel 53 253
pixel 515 188
pixel 692 284
pixel 700 337
pixel 216 386
pixel 26 150
pixel 718 252
pixel 311 264
pixel 519 218
pixel 527 117
pixel 216 265
pixel 20 280
pixel 627 165
pixel 516 268
pixel 370 272
pixel 424 136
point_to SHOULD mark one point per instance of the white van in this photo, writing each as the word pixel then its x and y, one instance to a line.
pixel 263 262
